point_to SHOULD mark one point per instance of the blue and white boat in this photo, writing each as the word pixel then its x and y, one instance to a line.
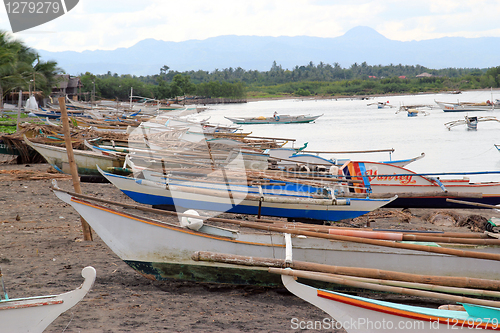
pixel 281 200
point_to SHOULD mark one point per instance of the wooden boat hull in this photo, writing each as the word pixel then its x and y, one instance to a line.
pixel 363 315
pixel 34 314
pixel 380 180
pixel 162 251
pixel 86 161
pixel 155 194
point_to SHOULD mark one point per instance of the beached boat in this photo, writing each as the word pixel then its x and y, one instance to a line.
pixel 292 158
pixel 161 250
pixel 34 314
pixel 86 160
pixel 362 315
pixel 276 119
pixel 471 122
pixel 293 201
pixel 419 190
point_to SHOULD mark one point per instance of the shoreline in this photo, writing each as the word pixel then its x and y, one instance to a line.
pixel 364 97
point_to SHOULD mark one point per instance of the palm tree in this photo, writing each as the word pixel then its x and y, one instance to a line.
pixel 9 61
pixel 20 64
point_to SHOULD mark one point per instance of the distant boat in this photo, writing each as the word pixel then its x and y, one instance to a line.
pixel 471 122
pixel 415 110
pixel 34 314
pixel 467 106
pixel 381 105
pixel 277 119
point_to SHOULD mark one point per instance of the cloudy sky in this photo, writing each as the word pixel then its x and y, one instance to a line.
pixel 110 24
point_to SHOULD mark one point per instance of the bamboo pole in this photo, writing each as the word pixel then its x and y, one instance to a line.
pixel 391 150
pixel 371 286
pixel 409 237
pixel 87 231
pixel 422 286
pixel 477 204
pixel 449 281
pixel 19 106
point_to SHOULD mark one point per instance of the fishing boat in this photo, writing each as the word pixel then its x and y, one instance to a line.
pixel 165 250
pixel 292 158
pixel 288 200
pixel 34 314
pixel 414 110
pixel 381 105
pixel 362 315
pixel 276 119
pixel 470 121
pixel 468 106
pixel 419 190
pixel 86 160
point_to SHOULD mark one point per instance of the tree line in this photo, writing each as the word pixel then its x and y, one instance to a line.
pixel 320 79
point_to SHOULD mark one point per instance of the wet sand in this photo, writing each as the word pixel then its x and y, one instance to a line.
pixel 42 252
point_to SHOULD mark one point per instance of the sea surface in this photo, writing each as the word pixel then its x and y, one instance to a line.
pixel 353 125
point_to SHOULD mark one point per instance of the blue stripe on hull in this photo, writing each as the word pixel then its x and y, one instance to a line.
pixel 324 215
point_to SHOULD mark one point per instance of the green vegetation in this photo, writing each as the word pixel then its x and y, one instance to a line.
pixel 322 79
pixel 21 67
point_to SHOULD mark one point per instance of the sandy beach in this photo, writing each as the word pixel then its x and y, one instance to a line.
pixel 42 252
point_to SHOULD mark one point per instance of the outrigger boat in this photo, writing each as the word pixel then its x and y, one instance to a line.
pixel 468 107
pixel 471 122
pixel 167 250
pixel 362 315
pixel 34 314
pixel 290 158
pixel 416 190
pixel 274 199
pixel 86 160
pixel 277 119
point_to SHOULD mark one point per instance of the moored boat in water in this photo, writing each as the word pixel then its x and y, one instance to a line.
pixel 276 119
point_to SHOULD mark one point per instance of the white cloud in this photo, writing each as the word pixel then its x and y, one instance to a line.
pixel 110 24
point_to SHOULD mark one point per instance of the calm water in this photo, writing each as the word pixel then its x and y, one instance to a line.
pixel 352 125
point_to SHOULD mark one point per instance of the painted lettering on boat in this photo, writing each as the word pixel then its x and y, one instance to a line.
pixel 402 179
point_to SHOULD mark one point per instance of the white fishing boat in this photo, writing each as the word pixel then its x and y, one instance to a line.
pixel 470 121
pixel 86 160
pixel 276 119
pixel 363 315
pixel 292 158
pixel 34 314
pixel 468 106
pixel 162 250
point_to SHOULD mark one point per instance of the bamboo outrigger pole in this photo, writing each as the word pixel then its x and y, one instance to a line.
pixel 398 290
pixel 87 231
pixel 373 273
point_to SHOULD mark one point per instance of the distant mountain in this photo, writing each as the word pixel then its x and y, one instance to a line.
pixel 359 44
